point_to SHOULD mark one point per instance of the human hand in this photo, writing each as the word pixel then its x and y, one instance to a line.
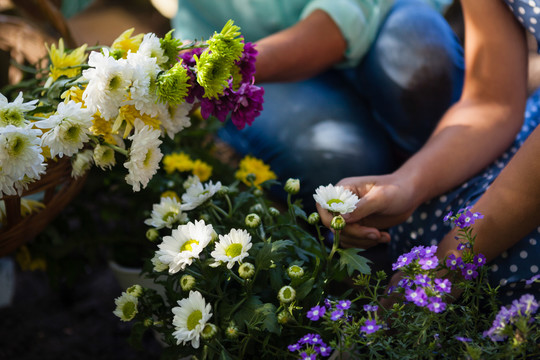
pixel 385 201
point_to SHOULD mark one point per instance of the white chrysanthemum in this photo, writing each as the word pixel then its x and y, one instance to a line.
pixel 166 213
pixel 151 47
pixel 190 318
pixel 184 244
pixel 108 83
pixel 12 113
pixel 81 163
pixel 68 128
pixel 143 86
pixel 158 265
pixel 104 156
pixel 144 155
pixel 174 118
pixel 7 184
pixel 20 153
pixel 232 248
pixel 198 193
pixel 126 306
pixel 336 199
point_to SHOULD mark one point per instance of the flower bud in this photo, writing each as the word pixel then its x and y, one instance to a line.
pixel 224 190
pixel 246 270
pixel 258 192
pixel 148 322
pixel 286 294
pixel 250 178
pixel 295 271
pixel 135 290
pixel 284 317
pixel 314 218
pixel 273 211
pixel 232 331
pixel 204 217
pixel 257 208
pixel 209 331
pixel 158 265
pixel 338 223
pixel 252 220
pixel 292 186
pixel 187 282
pixel 152 234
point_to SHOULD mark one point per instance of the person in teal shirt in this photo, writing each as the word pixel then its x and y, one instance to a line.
pixel 351 86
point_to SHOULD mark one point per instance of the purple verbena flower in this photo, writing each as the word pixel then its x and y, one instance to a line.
pixel 479 260
pixel 461 246
pixel 447 217
pixel 417 252
pixel 533 279
pixel 402 261
pixel 443 285
pixel 324 350
pixel 430 250
pixel 370 308
pixel 305 356
pixel 404 283
pixel 294 347
pixel 417 296
pixel 469 271
pixel 454 263
pixel 305 339
pixel 428 263
pixel 467 218
pixel 327 303
pixel 343 304
pixel 336 315
pixel 370 327
pixel 436 305
pixel 527 305
pixel 316 313
pixel 422 280
pixel 463 339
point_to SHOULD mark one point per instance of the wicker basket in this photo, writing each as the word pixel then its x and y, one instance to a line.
pixel 58 188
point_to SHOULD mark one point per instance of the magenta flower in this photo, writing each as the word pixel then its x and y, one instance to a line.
pixel 370 327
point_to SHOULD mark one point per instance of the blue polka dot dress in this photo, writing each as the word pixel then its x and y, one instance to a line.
pixel 426 226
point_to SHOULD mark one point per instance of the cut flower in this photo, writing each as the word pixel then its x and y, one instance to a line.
pixel 336 199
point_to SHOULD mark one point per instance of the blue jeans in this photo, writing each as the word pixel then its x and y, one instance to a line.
pixel 360 121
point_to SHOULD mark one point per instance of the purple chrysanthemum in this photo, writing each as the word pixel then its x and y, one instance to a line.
pixel 246 63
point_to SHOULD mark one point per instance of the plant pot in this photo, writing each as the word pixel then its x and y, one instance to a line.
pixel 128 276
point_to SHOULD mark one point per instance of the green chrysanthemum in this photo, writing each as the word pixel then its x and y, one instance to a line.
pixel 171 47
pixel 227 43
pixel 172 85
pixel 213 71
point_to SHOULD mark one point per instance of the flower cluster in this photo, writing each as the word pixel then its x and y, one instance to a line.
pixel 309 346
pixel 124 99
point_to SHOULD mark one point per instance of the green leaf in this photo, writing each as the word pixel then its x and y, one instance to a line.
pixel 303 290
pixel 349 258
pixel 254 313
pixel 271 252
pixel 298 211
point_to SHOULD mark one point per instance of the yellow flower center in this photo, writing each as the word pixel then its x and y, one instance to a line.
pixel 233 250
pixel 169 214
pixel 193 319
pixel 72 133
pixel 334 201
pixel 115 82
pixel 128 310
pixel 187 246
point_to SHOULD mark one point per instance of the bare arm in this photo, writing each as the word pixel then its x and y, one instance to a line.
pixel 301 51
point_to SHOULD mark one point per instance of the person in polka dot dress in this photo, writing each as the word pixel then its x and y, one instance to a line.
pixel 484 154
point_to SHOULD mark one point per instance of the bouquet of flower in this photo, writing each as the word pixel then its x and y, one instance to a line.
pixel 237 275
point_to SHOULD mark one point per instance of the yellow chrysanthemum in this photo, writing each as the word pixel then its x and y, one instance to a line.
pixel 29 206
pixel 125 42
pixel 250 165
pixel 127 115
pixel 64 63
pixel 74 93
pixel 202 170
pixel 102 127
pixel 170 194
pixel 26 262
pixel 177 162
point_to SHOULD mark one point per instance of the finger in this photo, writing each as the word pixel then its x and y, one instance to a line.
pixel 358 231
pixel 351 242
pixel 367 205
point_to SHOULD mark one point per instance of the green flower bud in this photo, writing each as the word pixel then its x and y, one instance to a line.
pixel 381 275
pixel 286 294
pixel 135 290
pixel 209 331
pixel 187 282
pixel 284 317
pixel 204 217
pixel 295 271
pixel 246 270
pixel 223 191
pixel 152 234
pixel 232 331
pixel 252 220
pixel 292 186
pixel 258 192
pixel 257 208
pixel 273 211
pixel 148 322
pixel 172 85
pixel 314 218
pixel 338 223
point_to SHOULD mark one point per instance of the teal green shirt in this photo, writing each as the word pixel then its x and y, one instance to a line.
pixel 358 20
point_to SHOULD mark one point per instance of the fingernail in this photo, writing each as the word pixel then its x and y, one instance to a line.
pixel 372 236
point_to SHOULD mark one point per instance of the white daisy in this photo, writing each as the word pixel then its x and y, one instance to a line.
pixel 336 199
pixel 81 163
pixel 174 118
pixel 190 318
pixel 108 82
pixel 198 193
pixel 143 86
pixel 7 184
pixel 126 306
pixel 166 213
pixel 104 156
pixel 144 155
pixel 232 248
pixel 184 244
pixel 12 113
pixel 20 153
pixel 68 128
pixel 151 47
pixel 158 265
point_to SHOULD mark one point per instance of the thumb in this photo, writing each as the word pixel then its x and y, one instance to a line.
pixel 365 207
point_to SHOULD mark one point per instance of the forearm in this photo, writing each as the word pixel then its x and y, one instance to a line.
pixel 301 51
pixel 511 205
